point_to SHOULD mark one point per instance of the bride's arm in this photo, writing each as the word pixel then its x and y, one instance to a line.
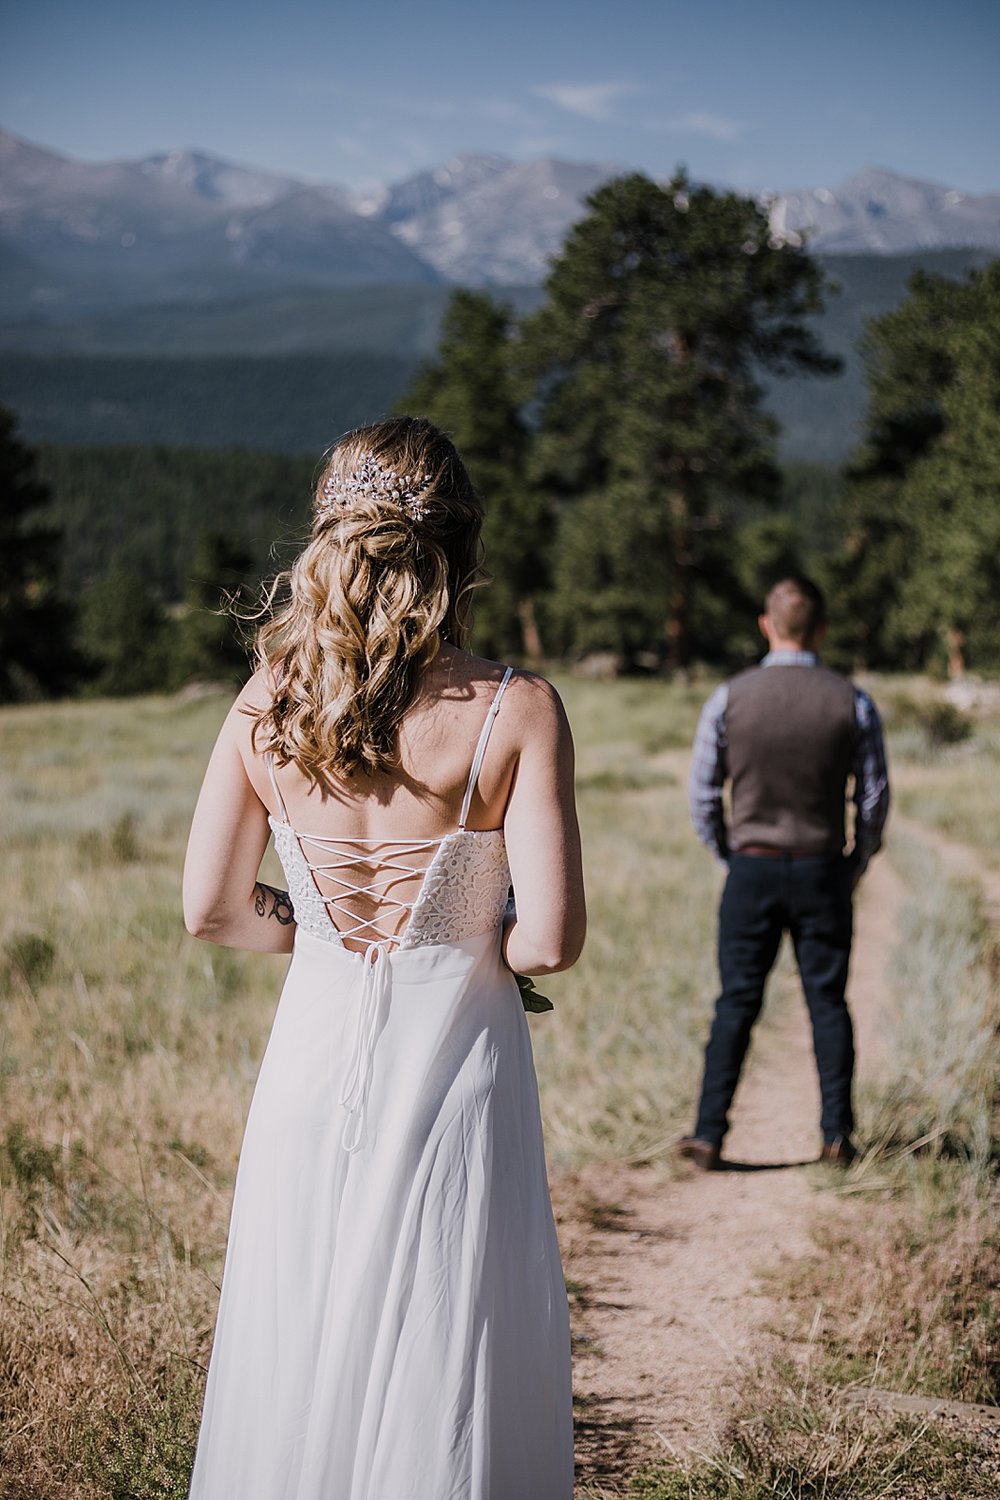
pixel 224 902
pixel 543 838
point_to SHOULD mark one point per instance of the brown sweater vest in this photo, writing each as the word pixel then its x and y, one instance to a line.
pixel 791 733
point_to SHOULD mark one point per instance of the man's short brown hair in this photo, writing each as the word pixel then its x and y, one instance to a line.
pixel 796 609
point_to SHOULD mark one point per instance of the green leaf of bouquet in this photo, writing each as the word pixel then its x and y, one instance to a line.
pixel 530 998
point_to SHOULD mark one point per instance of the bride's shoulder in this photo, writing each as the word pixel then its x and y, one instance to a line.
pixel 539 721
pixel 253 699
pixel 257 693
pixel 533 694
pixel 532 708
pixel 484 676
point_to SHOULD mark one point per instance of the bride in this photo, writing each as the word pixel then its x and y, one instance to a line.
pixel 393 1322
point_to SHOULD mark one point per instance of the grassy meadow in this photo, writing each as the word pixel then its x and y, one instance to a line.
pixel 128 1052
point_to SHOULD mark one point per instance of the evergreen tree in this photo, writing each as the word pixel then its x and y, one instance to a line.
pixel 952 498
pixel 124 633
pixel 158 501
pixel 205 642
pixel 36 655
pixel 468 391
pixel 662 308
pixel 920 570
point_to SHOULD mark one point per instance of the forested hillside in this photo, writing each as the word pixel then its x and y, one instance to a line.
pixel 289 370
pixel 285 404
pixel 149 506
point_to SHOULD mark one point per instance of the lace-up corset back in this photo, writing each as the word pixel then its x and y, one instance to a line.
pixel 397 893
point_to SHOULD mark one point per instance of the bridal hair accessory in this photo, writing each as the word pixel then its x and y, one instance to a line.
pixel 370 481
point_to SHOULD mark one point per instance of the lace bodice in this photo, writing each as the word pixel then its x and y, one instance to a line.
pixel 461 880
pixel 463 892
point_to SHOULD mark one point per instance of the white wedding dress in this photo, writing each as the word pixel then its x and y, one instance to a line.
pixel 393 1322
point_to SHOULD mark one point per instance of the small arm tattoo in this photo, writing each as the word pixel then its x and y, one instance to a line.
pixel 281 906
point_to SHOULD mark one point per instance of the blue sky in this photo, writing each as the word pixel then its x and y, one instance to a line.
pixel 759 94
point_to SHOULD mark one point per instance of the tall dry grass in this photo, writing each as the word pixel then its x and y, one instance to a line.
pixel 128 1053
pixel 948 762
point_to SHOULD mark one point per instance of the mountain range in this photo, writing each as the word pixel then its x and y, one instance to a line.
pixel 187 226
pixel 188 300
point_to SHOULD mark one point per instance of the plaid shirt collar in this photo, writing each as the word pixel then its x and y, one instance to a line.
pixel 790 658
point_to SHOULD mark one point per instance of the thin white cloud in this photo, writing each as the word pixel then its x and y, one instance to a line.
pixel 702 122
pixel 592 101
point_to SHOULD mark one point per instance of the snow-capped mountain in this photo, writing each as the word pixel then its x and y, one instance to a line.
pixel 425 191
pixel 185 225
pixel 217 181
pixel 483 220
pixel 187 222
pixel 30 175
pixel 880 212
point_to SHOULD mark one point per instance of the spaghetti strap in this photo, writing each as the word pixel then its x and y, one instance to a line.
pixel 484 736
pixel 269 761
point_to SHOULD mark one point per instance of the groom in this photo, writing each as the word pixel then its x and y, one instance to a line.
pixel 787 736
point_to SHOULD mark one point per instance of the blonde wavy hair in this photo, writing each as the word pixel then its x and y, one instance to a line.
pixel 384 578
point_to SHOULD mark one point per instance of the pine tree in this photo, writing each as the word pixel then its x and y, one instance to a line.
pixel 37 658
pixel 663 307
pixel 468 391
pixel 921 568
pixel 205 642
pixel 124 633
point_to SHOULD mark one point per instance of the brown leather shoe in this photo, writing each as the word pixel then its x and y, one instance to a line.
pixel 841 1151
pixel 701 1154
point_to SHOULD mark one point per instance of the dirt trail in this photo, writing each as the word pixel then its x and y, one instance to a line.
pixel 666 1271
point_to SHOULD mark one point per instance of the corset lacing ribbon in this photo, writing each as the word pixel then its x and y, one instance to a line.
pixel 375 991
pixel 376 987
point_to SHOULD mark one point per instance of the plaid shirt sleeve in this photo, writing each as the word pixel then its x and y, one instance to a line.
pixel 871 781
pixel 708 773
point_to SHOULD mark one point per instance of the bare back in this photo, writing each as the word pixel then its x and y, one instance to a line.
pixel 368 846
pixel 373 888
pixel 437 744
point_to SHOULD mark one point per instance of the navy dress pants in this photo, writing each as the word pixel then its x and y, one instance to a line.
pixel 809 897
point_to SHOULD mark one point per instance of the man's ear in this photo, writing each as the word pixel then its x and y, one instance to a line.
pixel 764 626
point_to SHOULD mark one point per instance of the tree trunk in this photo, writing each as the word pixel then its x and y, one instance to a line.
pixel 678 609
pixel 531 640
pixel 956 652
